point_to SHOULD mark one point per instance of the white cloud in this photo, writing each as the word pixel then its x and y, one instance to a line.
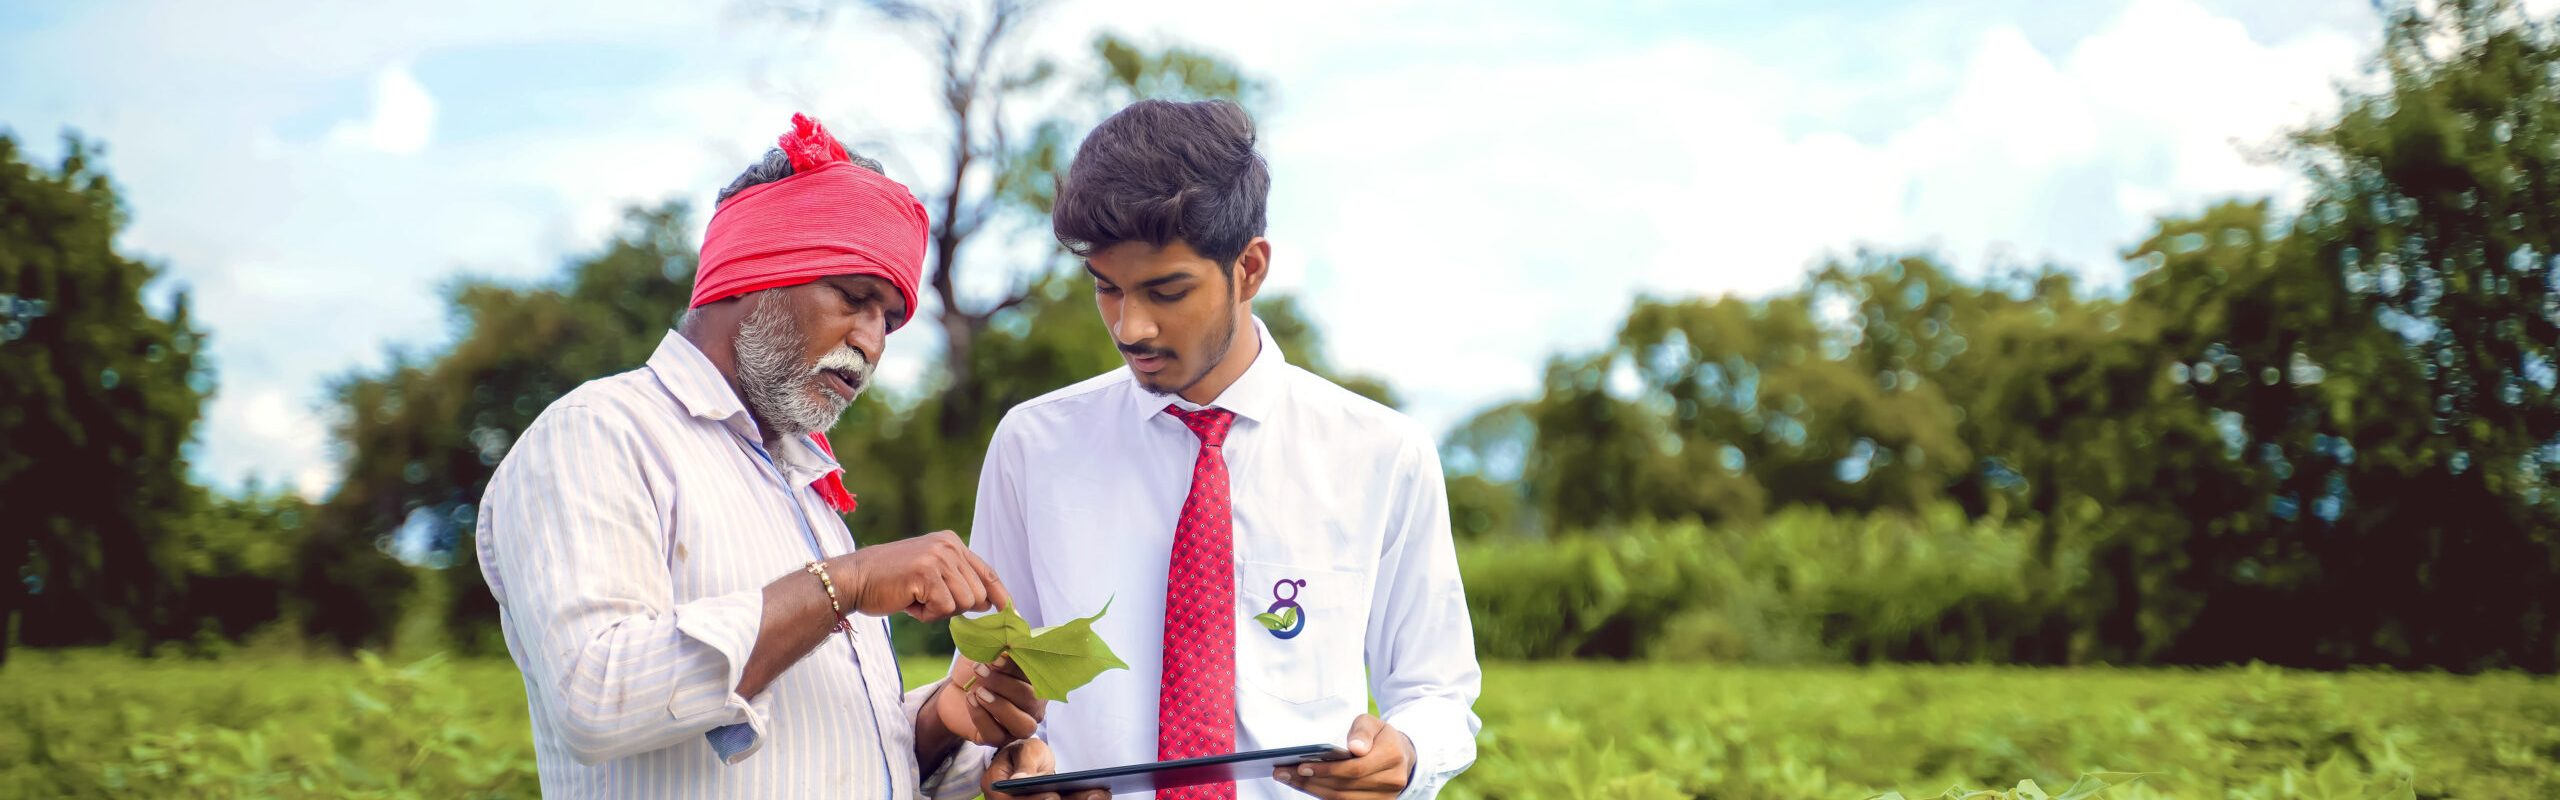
pixel 1523 199
pixel 2174 79
pixel 403 117
pixel 1460 190
pixel 263 431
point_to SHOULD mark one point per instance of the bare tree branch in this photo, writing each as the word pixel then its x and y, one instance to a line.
pixel 1011 300
pixel 971 44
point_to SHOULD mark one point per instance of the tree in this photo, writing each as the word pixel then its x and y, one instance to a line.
pixel 98 397
pixel 422 437
pixel 2322 438
pixel 1040 334
pixel 234 563
pixel 995 166
pixel 2435 218
pixel 1721 409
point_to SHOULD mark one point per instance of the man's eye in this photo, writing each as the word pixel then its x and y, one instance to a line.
pixel 1101 289
pixel 1171 298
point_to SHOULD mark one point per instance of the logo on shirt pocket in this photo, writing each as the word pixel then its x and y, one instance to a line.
pixel 1286 619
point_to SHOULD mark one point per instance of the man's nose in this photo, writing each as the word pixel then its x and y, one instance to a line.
pixel 1135 326
pixel 872 340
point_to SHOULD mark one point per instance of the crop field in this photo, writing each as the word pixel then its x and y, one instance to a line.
pixel 90 724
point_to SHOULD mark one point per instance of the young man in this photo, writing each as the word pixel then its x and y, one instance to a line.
pixel 1274 549
pixel 672 575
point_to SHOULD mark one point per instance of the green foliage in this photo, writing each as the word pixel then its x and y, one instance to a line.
pixel 2435 202
pixel 82 725
pixel 98 396
pixel 423 436
pixel 86 724
pixel 1583 730
pixel 2434 211
pixel 1799 587
pixel 2087 786
pixel 235 562
pixel 1118 72
pixel 2321 437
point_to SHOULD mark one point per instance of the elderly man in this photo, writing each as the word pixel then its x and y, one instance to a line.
pixel 665 545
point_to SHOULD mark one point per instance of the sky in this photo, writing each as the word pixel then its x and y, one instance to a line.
pixel 1460 190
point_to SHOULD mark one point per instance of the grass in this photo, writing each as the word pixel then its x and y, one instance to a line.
pixel 89 724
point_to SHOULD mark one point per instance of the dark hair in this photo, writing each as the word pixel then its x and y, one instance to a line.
pixel 1160 171
pixel 777 166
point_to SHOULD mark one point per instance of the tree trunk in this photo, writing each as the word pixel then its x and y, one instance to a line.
pixel 960 399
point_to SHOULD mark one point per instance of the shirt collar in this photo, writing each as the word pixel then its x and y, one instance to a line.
pixel 1255 395
pixel 802 461
pixel 698 385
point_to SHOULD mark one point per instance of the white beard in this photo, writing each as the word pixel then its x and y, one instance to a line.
pixel 788 395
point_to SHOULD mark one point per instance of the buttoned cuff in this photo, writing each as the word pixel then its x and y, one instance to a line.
pixel 1444 744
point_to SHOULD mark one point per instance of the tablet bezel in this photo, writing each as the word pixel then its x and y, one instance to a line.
pixel 1160 775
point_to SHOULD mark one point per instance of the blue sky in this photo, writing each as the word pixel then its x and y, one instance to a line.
pixel 1518 169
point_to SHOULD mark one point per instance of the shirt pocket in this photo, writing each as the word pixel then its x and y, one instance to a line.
pixel 1298 630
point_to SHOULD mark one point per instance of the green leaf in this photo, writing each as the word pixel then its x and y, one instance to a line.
pixel 983 638
pixel 366 702
pixel 2336 777
pixel 2397 788
pixel 2091 784
pixel 1058 659
pixel 1286 619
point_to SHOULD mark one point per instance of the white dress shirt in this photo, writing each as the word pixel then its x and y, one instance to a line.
pixel 628 537
pixel 1076 508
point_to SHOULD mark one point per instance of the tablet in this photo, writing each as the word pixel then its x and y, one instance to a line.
pixel 1169 774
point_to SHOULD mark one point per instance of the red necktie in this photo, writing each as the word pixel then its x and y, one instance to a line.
pixel 1196 706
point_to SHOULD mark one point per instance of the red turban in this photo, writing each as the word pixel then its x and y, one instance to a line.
pixel 831 217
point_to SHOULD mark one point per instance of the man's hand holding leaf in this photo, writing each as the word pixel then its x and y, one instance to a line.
pixel 1008 672
pixel 990 704
pixel 1056 659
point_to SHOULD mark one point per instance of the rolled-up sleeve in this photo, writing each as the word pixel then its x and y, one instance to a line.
pixel 1422 664
pixel 573 550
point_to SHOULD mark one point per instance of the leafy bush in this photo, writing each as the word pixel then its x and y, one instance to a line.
pixel 88 725
pixel 1802 586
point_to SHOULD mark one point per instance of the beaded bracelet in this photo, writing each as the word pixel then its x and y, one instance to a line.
pixel 820 570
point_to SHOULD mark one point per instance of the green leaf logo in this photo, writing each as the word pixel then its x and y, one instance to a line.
pixel 1286 619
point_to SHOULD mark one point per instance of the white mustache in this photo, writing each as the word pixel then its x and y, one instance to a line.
pixel 845 359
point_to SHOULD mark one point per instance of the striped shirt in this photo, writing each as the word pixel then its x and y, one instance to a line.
pixel 628 537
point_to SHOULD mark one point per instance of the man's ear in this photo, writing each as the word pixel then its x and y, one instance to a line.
pixel 1252 265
